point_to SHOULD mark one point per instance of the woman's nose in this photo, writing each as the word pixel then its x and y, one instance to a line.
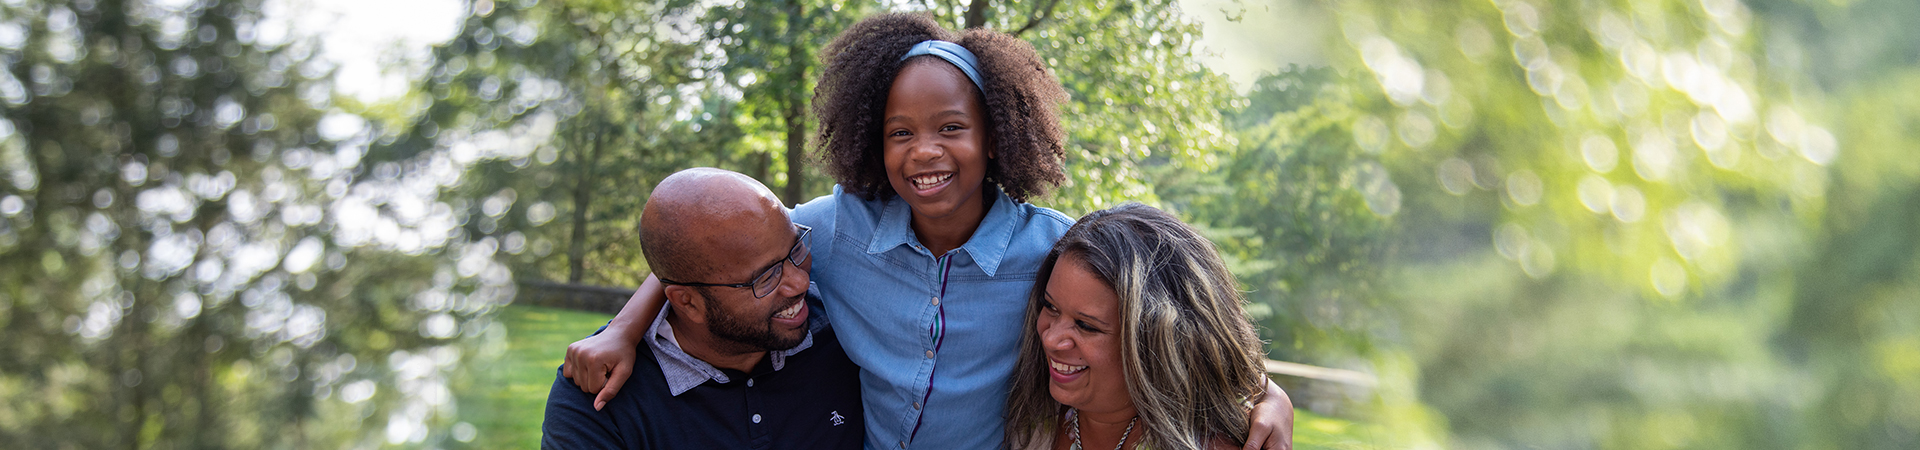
pixel 1055 337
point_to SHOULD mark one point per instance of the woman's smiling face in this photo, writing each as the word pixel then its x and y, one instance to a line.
pixel 934 138
pixel 1079 327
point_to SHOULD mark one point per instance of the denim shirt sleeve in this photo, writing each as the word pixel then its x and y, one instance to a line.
pixel 819 214
pixel 935 335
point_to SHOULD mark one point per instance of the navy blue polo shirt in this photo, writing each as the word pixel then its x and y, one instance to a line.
pixel 804 398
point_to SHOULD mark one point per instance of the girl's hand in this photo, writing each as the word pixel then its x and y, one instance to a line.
pixel 1272 427
pixel 600 364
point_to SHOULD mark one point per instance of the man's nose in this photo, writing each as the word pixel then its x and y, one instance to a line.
pixel 793 280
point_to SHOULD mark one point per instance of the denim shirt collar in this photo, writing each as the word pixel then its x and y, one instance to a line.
pixel 987 245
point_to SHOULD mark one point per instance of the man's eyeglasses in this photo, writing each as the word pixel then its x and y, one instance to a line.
pixel 769 278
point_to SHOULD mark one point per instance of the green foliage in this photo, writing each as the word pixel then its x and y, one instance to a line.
pixel 1855 295
pixel 1646 224
pixel 771 53
pixel 574 109
pixel 1142 108
pixel 560 110
pixel 1302 214
pixel 192 252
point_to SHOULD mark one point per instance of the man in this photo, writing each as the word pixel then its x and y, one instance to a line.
pixel 738 358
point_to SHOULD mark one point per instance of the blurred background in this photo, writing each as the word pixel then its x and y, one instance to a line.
pixel 1569 224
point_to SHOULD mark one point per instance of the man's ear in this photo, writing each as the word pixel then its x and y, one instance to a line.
pixel 687 302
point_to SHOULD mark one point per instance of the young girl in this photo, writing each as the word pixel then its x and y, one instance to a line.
pixel 926 250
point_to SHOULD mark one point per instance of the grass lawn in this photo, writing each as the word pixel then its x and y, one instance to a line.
pixel 505 398
pixel 1316 432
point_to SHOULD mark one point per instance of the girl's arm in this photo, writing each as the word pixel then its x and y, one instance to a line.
pixel 1272 426
pixel 602 362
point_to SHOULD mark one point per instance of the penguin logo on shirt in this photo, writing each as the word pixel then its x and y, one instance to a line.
pixel 837 418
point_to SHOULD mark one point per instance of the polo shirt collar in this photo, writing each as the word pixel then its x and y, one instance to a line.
pixel 685 372
pixel 987 246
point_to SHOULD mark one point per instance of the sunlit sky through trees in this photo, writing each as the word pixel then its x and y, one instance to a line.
pixel 375 42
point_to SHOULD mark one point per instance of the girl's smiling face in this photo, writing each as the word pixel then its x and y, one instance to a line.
pixel 934 139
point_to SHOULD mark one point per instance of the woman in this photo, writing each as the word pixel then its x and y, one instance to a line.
pixel 1139 341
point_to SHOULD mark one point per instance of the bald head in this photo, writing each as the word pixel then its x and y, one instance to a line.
pixel 697 216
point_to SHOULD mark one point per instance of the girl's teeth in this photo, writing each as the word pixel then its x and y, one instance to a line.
pixel 930 180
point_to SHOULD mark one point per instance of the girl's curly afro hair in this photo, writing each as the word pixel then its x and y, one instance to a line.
pixel 1021 96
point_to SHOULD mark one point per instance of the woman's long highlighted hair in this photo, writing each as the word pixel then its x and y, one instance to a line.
pixel 1192 359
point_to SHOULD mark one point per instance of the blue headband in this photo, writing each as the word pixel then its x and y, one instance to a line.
pixel 953 53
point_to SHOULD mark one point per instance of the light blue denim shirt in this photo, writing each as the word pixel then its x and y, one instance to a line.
pixel 935 336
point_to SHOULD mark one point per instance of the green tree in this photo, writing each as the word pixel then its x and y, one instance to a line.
pixel 771 53
pixel 1855 286
pixel 1645 224
pixel 568 110
pixel 1304 213
pixel 1142 112
pixel 194 251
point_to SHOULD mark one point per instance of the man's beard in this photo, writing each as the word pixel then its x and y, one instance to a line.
pixel 747 332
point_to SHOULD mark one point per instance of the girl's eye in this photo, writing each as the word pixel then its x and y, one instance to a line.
pixel 896 133
pixel 1048 306
pixel 1085 326
pixel 950 128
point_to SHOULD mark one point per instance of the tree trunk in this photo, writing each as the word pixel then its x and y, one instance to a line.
pixel 794 106
pixel 796 151
pixel 977 14
pixel 583 184
pixel 762 163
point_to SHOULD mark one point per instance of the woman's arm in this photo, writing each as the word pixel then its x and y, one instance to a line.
pixel 1272 426
pixel 602 362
